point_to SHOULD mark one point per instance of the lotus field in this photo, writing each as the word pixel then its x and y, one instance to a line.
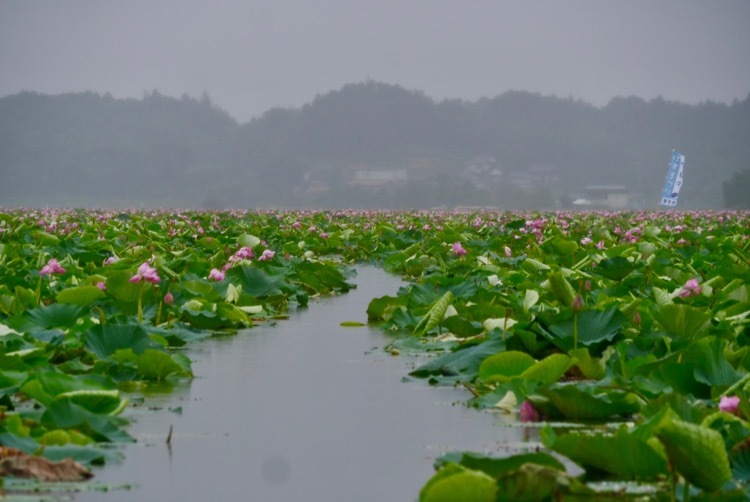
pixel 621 340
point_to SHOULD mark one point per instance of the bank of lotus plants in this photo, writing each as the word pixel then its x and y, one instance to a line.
pixel 95 306
pixel 619 339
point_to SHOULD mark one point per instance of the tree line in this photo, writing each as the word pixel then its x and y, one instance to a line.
pixel 89 150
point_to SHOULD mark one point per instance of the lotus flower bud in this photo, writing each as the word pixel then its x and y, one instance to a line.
pixel 577 304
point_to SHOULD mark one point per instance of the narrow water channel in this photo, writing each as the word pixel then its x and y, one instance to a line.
pixel 304 410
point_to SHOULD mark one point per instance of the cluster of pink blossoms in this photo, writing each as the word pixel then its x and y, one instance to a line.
pixel 52 267
pixel 244 253
pixel 458 249
pixel 691 288
pixel 147 273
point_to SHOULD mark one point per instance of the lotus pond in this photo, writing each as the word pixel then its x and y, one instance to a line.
pixel 621 338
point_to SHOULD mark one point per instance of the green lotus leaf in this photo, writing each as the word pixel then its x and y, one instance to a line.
pixel 45 238
pixel 562 289
pixel 320 277
pixel 247 240
pixel 594 328
pixel 202 289
pixel 254 281
pixel 504 366
pixel 498 466
pixel 120 287
pixel 80 295
pixel 562 247
pixel 697 452
pixel 57 315
pixel 550 369
pixel 615 268
pixel 97 401
pixel 107 339
pixel 683 321
pixel 63 413
pixel 532 266
pixel 592 368
pixel 458 483
pixel 434 315
pixel 465 361
pixel 46 386
pixel 26 296
pixel 740 459
pixel 158 365
pixel 635 458
pixel 530 299
pixel 461 327
pixel 586 401
pixel 533 482
pixel 711 365
pixel 380 309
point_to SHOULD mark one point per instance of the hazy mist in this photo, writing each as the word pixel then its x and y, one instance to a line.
pixel 252 55
pixel 352 103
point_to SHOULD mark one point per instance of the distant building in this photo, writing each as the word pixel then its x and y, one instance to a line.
pixel 534 177
pixel 604 197
pixel 483 172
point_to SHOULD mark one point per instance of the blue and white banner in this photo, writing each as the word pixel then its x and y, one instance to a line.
pixel 674 180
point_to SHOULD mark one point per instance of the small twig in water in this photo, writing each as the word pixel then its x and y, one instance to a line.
pixel 169 436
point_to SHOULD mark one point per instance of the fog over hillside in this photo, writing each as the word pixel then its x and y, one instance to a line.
pixel 369 144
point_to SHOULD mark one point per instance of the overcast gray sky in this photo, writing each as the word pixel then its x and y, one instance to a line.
pixel 251 55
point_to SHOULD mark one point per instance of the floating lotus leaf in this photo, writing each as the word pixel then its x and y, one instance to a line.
pixel 458 483
pixel 504 366
pixel 585 401
pixel 635 458
pixel 498 466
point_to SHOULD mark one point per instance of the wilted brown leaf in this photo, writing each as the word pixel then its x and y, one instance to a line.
pixel 14 462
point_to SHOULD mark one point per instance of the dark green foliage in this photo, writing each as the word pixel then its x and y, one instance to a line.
pixel 737 190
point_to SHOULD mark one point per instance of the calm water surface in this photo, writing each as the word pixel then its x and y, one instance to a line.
pixel 304 410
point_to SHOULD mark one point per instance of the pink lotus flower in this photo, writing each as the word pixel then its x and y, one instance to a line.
pixel 507 251
pixel 216 275
pixel 244 253
pixel 691 288
pixel 267 255
pixel 101 286
pixel 110 260
pixel 528 413
pixel 458 249
pixel 52 267
pixel 146 272
pixel 169 298
pixel 729 404
pixel 586 241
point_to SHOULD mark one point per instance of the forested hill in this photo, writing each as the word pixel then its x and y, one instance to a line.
pixel 365 145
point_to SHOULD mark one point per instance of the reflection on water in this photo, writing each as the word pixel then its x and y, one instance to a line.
pixel 304 410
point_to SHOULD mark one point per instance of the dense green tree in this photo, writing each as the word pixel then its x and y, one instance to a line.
pixel 737 190
pixel 93 150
